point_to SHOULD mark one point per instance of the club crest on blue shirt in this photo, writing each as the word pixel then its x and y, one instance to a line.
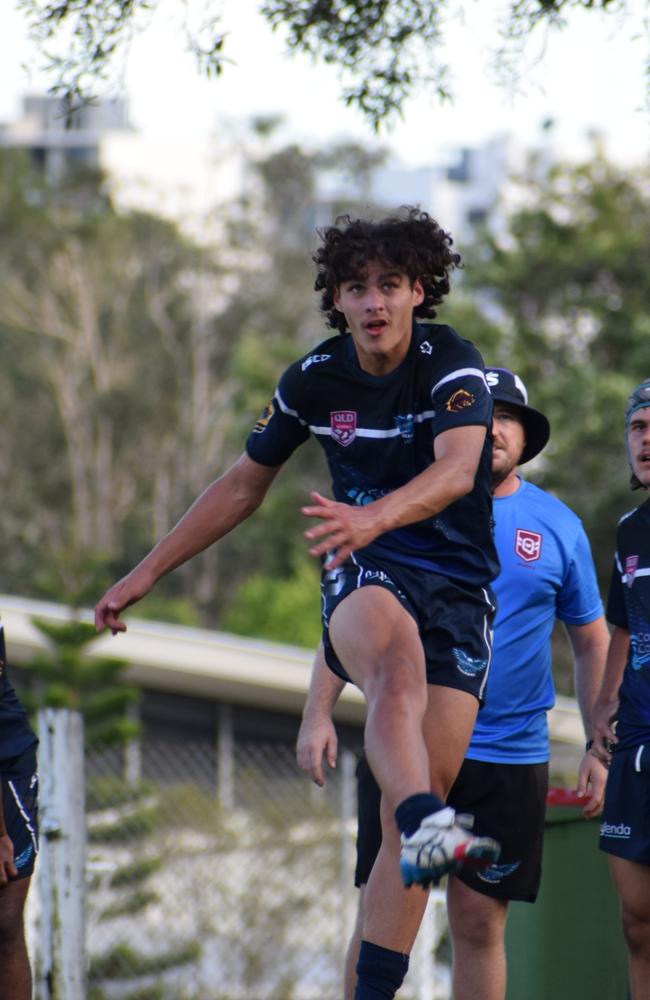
pixel 528 545
pixel 406 426
pixel 468 665
pixel 343 426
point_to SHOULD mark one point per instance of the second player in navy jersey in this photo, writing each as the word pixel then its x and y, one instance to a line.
pixel 403 415
pixel 18 834
pixel 622 712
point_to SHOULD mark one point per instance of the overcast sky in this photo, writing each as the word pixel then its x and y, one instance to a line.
pixel 590 76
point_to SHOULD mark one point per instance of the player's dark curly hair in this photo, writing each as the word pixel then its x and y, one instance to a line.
pixel 410 241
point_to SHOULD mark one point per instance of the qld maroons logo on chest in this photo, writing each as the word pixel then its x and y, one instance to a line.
pixel 528 544
pixel 631 565
pixel 343 424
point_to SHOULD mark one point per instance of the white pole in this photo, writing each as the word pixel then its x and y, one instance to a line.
pixel 60 964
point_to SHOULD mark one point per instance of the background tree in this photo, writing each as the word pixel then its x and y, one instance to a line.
pixel 135 363
pixel 114 372
pixel 384 49
pixel 567 280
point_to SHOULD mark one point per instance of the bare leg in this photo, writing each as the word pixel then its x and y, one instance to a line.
pixel 392 914
pixel 379 645
pixel 477 925
pixel 15 973
pixel 632 883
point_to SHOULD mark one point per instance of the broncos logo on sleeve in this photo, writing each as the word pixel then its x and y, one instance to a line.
pixel 263 419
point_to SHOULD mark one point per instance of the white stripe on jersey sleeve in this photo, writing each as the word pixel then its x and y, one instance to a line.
pixel 287 409
pixel 460 373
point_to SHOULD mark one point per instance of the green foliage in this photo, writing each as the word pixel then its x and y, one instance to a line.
pixel 135 872
pixel 122 962
pixel 174 610
pixel 132 826
pixel 284 610
pixel 568 282
pixel 134 902
pixel 66 677
pixel 385 49
pixel 108 793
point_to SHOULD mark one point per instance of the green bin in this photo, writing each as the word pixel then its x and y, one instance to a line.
pixel 568 945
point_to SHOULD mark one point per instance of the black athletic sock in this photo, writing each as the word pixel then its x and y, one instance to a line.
pixel 410 813
pixel 380 972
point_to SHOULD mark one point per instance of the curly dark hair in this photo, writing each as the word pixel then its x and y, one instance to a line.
pixel 410 241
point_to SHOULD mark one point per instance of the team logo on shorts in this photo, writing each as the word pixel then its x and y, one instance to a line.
pixel 631 563
pixel 343 424
pixel 468 665
pixel 460 400
pixel 528 545
pixel 497 873
pixel 262 422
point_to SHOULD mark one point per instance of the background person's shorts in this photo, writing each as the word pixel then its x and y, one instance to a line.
pixel 19 781
pixel 508 802
pixel 454 621
pixel 625 826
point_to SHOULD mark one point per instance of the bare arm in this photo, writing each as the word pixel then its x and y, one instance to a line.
pixel 345 528
pixel 317 735
pixel 227 502
pixel 7 867
pixel 606 704
pixel 589 644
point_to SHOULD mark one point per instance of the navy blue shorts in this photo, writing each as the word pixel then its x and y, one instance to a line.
pixel 454 621
pixel 19 780
pixel 508 802
pixel 625 827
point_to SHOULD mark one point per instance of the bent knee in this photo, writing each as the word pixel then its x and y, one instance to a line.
pixel 397 677
pixel 636 930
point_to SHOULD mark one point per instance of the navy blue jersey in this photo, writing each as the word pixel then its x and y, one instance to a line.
pixel 628 606
pixel 377 433
pixel 16 735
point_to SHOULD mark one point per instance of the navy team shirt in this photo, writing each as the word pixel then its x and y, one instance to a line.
pixel 16 735
pixel 377 433
pixel 628 606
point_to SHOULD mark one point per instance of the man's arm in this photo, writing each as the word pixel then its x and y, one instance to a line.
pixel 346 528
pixel 7 867
pixel 589 644
pixel 606 706
pixel 317 735
pixel 227 502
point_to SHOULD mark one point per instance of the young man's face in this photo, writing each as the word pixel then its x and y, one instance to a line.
pixel 638 440
pixel 378 308
pixel 508 440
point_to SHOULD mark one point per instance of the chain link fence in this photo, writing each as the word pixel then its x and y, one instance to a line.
pixel 217 876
